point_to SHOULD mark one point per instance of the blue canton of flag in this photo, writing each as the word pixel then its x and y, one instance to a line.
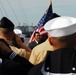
pixel 45 17
pixel 42 21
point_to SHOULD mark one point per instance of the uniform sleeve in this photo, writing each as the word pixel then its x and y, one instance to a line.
pixel 23 61
pixel 21 52
pixel 33 57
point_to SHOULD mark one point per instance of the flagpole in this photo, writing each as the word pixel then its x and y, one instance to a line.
pixel 42 21
pixel 50 1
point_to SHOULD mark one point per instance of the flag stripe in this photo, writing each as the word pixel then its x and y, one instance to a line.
pixel 42 21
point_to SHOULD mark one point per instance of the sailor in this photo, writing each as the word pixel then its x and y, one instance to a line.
pixel 62 60
pixel 7 33
pixel 19 32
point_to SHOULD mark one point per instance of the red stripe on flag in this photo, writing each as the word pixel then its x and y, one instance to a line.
pixel 40 29
pixel 32 36
pixel 42 21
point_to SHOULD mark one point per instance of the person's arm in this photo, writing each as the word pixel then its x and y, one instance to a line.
pixel 20 59
pixel 7 52
pixel 21 44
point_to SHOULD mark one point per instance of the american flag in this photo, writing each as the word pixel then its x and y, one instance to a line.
pixel 42 21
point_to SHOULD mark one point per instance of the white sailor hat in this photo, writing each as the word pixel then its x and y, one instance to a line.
pixel 17 31
pixel 61 26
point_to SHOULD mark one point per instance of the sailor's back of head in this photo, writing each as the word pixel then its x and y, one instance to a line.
pixel 62 31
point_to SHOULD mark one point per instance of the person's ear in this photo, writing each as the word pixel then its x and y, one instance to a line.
pixel 50 40
pixel 13 34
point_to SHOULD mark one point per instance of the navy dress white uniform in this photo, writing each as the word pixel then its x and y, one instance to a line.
pixel 61 61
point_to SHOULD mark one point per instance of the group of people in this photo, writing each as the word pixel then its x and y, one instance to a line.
pixel 54 56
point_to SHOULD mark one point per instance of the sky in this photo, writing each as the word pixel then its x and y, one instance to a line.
pixel 29 12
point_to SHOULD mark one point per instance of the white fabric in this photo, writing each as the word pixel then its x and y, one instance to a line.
pixel 48 73
pixel 0 61
pixel 17 31
pixel 61 26
pixel 22 35
pixel 43 32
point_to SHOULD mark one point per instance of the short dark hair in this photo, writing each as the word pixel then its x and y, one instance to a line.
pixel 36 33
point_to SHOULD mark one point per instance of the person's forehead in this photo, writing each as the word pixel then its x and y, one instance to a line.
pixel 37 34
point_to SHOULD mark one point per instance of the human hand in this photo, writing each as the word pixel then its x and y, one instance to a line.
pixel 21 44
pixel 18 39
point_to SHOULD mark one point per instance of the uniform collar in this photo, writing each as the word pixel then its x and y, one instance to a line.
pixel 36 41
pixel 57 60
